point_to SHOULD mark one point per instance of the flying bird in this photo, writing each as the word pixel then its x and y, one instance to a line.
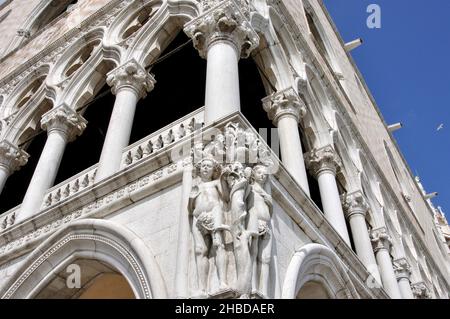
pixel 440 127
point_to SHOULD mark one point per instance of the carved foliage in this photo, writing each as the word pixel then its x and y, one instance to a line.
pixel 226 21
pixel 131 75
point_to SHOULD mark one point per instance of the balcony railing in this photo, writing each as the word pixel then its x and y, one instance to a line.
pixel 148 146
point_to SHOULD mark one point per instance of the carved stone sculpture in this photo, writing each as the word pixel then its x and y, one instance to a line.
pixel 260 213
pixel 230 197
pixel 206 206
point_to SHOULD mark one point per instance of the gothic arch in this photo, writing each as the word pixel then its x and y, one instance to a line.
pixel 81 71
pixel 318 263
pixel 100 240
pixel 42 14
pixel 32 86
pixel 129 23
pixel 157 34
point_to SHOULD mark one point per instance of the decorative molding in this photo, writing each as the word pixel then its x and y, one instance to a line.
pixel 89 209
pixel 64 119
pixel 380 239
pixel 323 160
pixel 12 157
pixel 227 21
pixel 124 252
pixel 131 75
pixel 355 204
pixel 284 103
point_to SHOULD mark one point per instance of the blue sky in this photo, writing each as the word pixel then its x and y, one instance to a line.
pixel 406 65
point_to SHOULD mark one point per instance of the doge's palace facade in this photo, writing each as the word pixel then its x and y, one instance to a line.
pixel 202 207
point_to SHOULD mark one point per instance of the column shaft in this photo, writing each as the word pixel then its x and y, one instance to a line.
pixel 222 81
pixel 45 173
pixel 331 203
pixel 130 82
pixel 291 150
pixel 405 288
pixel 387 274
pixel 363 246
pixel 119 132
pixel 4 174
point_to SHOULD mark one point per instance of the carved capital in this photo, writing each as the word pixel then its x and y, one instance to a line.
pixel 402 268
pixel 224 22
pixel 131 75
pixel 420 291
pixel 354 204
pixel 380 239
pixel 284 103
pixel 323 160
pixel 12 157
pixel 64 119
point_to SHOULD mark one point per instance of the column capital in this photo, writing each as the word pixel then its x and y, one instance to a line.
pixel 12 157
pixel 64 119
pixel 224 22
pixel 402 268
pixel 380 239
pixel 355 204
pixel 131 75
pixel 420 290
pixel 322 160
pixel 284 103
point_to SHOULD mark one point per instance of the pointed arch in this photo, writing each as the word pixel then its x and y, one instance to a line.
pixel 318 263
pixel 99 240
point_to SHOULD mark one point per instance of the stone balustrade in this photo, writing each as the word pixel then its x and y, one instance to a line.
pixel 70 187
pixel 163 138
pixel 132 154
pixel 8 219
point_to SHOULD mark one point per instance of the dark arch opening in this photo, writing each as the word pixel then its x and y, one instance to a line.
pixel 86 149
pixel 17 184
pixel 180 89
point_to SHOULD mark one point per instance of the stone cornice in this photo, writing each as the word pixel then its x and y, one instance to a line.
pixel 323 160
pixel 131 75
pixel 12 157
pixel 380 239
pixel 224 22
pixel 65 120
pixel 284 103
pixel 402 269
pixel 355 203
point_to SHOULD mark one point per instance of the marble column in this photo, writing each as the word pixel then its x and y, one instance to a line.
pixel 12 159
pixel 223 35
pixel 285 109
pixel 381 242
pixel 130 82
pixel 356 208
pixel 324 164
pixel 403 273
pixel 63 125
